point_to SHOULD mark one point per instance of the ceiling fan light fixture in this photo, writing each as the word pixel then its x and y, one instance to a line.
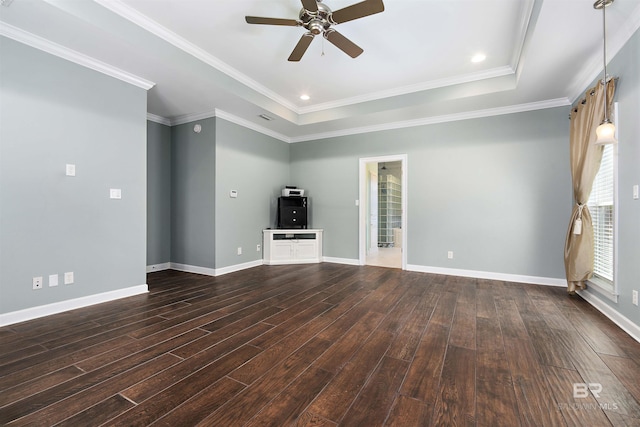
pixel 315 27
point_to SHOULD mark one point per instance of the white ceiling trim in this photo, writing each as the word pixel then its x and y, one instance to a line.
pixel 250 125
pixel 523 32
pixel 158 119
pixel 520 108
pixel 552 103
pixel 132 15
pixel 60 51
pixel 593 67
pixel 188 118
pixel 419 87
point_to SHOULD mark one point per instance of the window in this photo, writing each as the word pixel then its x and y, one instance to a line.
pixel 603 213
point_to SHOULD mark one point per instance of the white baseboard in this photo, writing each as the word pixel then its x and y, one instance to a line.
pixel 347 261
pixel 193 269
pixel 623 322
pixel 517 278
pixel 214 271
pixel 238 267
pixel 158 267
pixel 72 304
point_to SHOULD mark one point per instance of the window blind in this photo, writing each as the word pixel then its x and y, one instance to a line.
pixel 601 206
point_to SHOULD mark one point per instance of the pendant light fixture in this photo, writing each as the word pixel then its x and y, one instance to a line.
pixel 606 132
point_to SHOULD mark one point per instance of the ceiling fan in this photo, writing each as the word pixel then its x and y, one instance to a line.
pixel 317 18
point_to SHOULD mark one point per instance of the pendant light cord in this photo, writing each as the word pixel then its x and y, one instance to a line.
pixel 604 60
pixel 604 57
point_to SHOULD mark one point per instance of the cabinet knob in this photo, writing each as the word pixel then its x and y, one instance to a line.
pixel 294 220
pixel 295 211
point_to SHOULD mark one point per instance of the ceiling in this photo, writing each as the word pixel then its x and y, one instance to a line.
pixel 200 58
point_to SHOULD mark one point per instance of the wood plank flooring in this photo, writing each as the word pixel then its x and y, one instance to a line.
pixel 322 345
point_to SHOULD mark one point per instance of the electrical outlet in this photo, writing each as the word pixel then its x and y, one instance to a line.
pixel 37 282
pixel 68 278
pixel 450 254
pixel 635 297
pixel 239 251
pixel 258 247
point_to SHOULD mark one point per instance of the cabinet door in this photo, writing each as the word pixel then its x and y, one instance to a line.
pixel 282 250
pixel 307 249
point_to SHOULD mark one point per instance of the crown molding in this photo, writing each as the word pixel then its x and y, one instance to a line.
pixel 250 125
pixel 552 103
pixel 187 118
pixel 520 108
pixel 60 51
pixel 158 119
pixel 404 90
pixel 132 15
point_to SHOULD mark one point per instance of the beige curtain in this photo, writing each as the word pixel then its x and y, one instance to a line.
pixel 585 160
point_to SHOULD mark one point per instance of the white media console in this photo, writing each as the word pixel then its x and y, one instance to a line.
pixel 298 246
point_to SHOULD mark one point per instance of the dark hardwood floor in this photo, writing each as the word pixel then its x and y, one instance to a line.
pixel 323 345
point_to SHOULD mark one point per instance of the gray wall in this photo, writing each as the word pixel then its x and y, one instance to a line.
pixel 495 190
pixel 55 112
pixel 257 167
pixel 626 66
pixel 193 176
pixel 207 225
pixel 158 193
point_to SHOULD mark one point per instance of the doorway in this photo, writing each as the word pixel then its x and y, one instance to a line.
pixel 383 190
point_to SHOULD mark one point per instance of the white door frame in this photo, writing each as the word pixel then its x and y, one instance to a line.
pixel 362 174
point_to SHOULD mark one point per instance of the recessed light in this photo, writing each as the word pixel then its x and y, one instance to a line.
pixel 478 57
pixel 305 97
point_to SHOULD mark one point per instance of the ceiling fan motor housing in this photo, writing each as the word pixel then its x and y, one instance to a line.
pixel 316 22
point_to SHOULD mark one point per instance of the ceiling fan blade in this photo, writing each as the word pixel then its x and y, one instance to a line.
pixel 310 5
pixel 271 21
pixel 301 47
pixel 343 43
pixel 358 10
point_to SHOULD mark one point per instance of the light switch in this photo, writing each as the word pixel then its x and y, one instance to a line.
pixel 70 170
pixel 115 193
pixel 635 192
pixel 53 280
pixel 233 194
pixel 68 278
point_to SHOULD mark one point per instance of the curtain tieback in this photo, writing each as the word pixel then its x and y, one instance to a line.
pixel 577 224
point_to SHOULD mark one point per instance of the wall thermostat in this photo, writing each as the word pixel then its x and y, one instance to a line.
pixel 197 128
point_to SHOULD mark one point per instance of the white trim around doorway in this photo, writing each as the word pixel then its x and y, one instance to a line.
pixel 362 213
